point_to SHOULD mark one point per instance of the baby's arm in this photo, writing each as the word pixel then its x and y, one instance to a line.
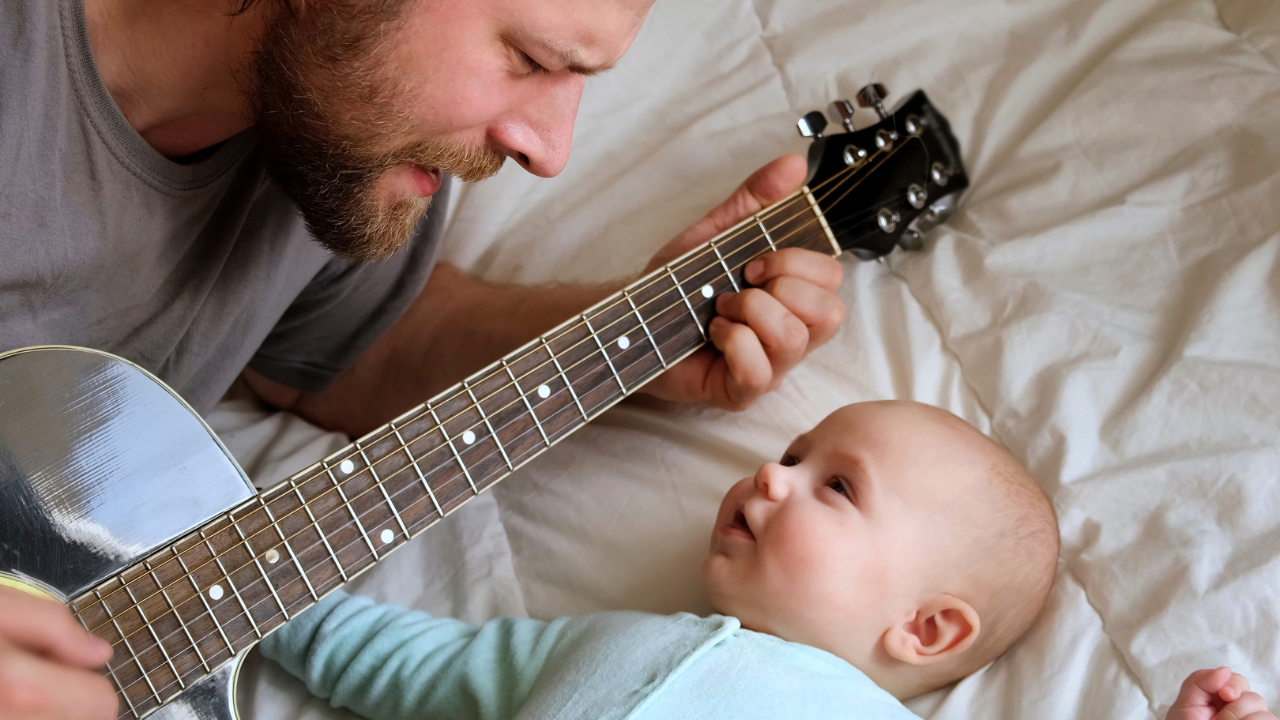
pixel 388 663
pixel 1218 695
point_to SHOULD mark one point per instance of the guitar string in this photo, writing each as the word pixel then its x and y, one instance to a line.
pixel 355 542
pixel 376 484
pixel 702 251
pixel 523 397
pixel 568 407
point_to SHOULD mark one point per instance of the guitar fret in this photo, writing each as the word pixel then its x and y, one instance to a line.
pixel 261 571
pixel 687 304
pixel 527 404
pixel 200 594
pixel 359 525
pixel 128 646
pixel 231 584
pixel 289 549
pixel 605 353
pixel 147 622
pixel 725 265
pixel 645 326
pixel 564 377
pixel 378 481
pixel 456 455
pixel 173 610
pixel 414 462
pixel 487 424
pixel 767 237
pixel 323 538
pixel 822 220
pixel 122 692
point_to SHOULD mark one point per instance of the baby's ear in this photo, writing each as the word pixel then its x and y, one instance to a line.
pixel 942 628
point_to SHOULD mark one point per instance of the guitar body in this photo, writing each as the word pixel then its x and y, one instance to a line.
pixel 100 465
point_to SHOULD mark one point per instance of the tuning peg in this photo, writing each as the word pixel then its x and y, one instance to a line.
pixel 812 124
pixel 843 109
pixel 872 96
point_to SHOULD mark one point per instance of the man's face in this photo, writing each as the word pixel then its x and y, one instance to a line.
pixel 364 104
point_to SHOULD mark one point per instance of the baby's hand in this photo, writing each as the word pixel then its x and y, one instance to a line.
pixel 1218 695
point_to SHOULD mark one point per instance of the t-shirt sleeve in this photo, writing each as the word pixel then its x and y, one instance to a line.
pixel 345 307
pixel 389 663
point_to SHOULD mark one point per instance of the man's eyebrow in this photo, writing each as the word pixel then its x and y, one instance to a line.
pixel 567 55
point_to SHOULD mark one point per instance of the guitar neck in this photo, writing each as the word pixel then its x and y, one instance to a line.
pixel 184 612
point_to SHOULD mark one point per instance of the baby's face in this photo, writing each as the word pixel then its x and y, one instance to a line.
pixel 829 545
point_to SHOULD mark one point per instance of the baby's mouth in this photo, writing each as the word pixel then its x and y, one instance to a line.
pixel 739 522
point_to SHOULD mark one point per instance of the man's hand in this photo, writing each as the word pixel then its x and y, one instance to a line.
pixel 47 662
pixel 760 333
pixel 1218 695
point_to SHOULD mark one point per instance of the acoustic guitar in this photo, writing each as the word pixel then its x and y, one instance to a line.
pixel 117 500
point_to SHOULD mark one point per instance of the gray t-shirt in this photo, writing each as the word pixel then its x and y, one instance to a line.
pixel 193 271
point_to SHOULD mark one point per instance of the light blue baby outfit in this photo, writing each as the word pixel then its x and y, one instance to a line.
pixel 389 663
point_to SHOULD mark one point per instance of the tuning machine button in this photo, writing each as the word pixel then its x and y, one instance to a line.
pixel 888 220
pixel 911 241
pixel 872 96
pixel 843 109
pixel 917 196
pixel 854 155
pixel 940 173
pixel 812 124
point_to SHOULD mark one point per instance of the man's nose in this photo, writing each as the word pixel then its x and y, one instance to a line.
pixel 539 134
pixel 772 481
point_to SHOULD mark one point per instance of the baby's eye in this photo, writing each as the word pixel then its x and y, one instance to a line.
pixel 839 485
pixel 788 460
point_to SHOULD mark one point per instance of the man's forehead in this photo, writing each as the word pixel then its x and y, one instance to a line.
pixel 585 36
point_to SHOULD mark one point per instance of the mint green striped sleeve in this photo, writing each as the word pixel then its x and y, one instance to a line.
pixel 389 663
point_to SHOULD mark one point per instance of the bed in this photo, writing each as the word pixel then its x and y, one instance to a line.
pixel 1106 303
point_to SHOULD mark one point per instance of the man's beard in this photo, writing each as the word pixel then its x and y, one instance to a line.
pixel 332 121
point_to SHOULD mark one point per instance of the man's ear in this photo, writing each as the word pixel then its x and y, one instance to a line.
pixel 942 628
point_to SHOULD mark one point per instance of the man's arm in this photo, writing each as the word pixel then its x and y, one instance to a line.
pixel 460 323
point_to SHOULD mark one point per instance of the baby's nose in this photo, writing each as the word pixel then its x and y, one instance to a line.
pixel 770 481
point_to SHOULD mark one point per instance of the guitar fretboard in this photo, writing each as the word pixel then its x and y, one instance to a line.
pixel 182 613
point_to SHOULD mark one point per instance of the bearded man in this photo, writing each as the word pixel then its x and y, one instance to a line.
pixel 218 189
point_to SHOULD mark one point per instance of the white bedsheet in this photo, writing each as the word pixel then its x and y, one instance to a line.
pixel 1106 303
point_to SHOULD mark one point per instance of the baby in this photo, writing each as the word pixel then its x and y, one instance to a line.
pixel 892 550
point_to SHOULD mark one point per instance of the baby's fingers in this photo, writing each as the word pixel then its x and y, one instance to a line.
pixel 1234 688
pixel 1250 706
pixel 1201 688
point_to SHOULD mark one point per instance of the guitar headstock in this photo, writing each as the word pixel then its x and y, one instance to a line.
pixel 888 184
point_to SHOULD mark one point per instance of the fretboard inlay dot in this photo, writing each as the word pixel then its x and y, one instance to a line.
pixel 215 592
pixel 468 437
pixel 544 391
pixel 387 536
pixel 707 292
pixel 624 342
pixel 272 556
pixel 347 467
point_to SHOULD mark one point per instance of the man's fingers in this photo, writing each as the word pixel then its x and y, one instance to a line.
pixel 821 311
pixel 1249 704
pixel 784 336
pixel 35 688
pixel 747 371
pixel 46 627
pixel 821 270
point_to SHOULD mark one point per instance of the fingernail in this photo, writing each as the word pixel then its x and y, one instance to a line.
pixel 754 268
